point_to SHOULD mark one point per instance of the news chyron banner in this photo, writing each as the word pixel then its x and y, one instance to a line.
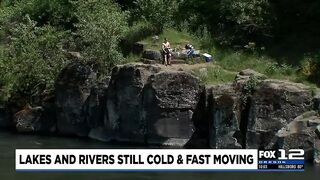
pixel 159 160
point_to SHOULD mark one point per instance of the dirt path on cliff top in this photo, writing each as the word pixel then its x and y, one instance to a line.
pixel 191 67
pixel 185 67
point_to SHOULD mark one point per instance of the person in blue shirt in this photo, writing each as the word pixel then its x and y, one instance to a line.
pixel 190 50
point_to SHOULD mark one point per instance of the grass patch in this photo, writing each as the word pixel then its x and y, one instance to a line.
pixel 132 58
pixel 214 75
pixel 177 40
pixel 227 62
pixel 237 61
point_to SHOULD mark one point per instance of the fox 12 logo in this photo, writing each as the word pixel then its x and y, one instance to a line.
pixel 281 160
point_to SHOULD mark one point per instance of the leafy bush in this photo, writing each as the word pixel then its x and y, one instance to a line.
pixel 271 69
pixel 37 35
pixel 160 13
pixel 245 21
pixel 137 32
pixel 100 28
pixel 32 60
pixel 311 67
pixel 248 89
pixel 233 22
pixel 57 13
pixel 276 69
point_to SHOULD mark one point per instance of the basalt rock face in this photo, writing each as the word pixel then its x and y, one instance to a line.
pixel 317 146
pixel 151 104
pixel 170 100
pixel 274 105
pixel 316 101
pixel 73 87
pixel 124 115
pixel 317 150
pixel 140 104
pixel 94 106
pixel 226 117
pixel 148 105
pixel 94 110
pixel 255 112
pixel 4 118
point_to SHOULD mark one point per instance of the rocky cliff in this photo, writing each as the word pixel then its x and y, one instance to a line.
pixel 149 104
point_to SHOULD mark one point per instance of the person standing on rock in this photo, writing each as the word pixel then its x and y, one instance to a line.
pixel 166 52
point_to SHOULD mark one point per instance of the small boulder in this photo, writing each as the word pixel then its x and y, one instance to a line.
pixel 245 75
pixel 152 55
pixel 250 72
pixel 300 134
pixel 27 120
pixel 138 48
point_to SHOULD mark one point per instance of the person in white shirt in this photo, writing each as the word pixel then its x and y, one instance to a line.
pixel 166 52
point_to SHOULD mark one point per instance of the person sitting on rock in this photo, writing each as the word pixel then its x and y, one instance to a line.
pixel 166 52
pixel 190 50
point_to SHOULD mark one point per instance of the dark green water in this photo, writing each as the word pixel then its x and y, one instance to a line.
pixel 9 142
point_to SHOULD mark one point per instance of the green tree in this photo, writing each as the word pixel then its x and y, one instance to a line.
pixel 101 25
pixel 232 21
pixel 35 38
pixel 32 60
pixel 58 13
pixel 159 13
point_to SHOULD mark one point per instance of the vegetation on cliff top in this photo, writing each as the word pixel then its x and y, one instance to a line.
pixel 38 36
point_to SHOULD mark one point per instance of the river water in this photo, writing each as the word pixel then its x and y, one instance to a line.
pixel 10 141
